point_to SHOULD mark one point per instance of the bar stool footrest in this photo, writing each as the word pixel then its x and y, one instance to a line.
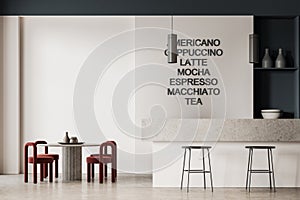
pixel 260 171
pixel 196 171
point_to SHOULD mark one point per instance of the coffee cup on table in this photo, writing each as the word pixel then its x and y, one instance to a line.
pixel 73 140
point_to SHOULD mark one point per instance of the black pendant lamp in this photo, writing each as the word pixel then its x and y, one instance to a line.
pixel 254 48
pixel 172 45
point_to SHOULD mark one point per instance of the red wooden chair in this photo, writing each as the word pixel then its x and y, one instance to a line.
pixel 54 156
pixel 35 160
pixel 103 158
pixel 105 165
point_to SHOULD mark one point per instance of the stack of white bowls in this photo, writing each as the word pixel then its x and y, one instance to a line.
pixel 271 113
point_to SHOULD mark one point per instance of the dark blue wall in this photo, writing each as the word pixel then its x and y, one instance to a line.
pixel 153 7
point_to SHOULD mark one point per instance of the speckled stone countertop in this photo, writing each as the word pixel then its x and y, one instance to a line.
pixel 222 130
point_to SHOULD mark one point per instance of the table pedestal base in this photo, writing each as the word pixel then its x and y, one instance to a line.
pixel 72 163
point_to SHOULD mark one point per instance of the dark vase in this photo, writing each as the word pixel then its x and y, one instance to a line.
pixel 280 60
pixel 66 138
pixel 267 60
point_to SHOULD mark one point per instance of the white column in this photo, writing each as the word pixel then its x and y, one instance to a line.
pixel 10 66
pixel 1 95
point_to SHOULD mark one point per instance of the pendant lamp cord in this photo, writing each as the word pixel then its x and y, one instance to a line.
pixel 172 24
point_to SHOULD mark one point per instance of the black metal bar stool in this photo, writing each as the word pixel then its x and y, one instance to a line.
pixel 189 170
pixel 270 169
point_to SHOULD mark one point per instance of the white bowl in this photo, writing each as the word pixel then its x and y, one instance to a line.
pixel 270 111
pixel 270 115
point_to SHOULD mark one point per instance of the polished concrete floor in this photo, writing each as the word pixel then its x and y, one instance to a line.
pixel 127 187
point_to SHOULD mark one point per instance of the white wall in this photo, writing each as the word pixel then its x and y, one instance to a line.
pixel 10 62
pixel 233 68
pixel 54 51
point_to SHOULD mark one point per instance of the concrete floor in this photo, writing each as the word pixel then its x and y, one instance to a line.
pixel 127 187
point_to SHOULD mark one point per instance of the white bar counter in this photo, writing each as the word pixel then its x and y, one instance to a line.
pixel 224 130
pixel 228 138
